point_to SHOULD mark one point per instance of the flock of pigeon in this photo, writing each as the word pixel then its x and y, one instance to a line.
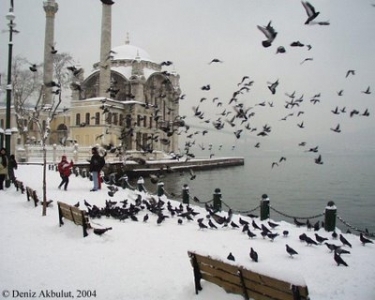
pixel 238 115
pixel 150 208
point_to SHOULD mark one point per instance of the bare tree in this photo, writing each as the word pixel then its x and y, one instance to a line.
pixel 30 105
pixel 26 85
pixel 61 62
pixel 27 81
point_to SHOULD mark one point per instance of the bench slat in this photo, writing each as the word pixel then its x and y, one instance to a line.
pixel 257 286
pixel 273 288
pixel 251 277
pixel 74 214
pixel 30 193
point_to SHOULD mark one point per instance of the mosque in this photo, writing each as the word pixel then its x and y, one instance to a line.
pixel 127 100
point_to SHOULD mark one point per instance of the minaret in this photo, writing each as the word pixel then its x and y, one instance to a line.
pixel 105 49
pixel 50 7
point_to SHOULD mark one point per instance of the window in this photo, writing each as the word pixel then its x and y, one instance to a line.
pixel 97 118
pixel 115 118
pixel 121 121
pixel 87 118
pixel 138 140
pixel 128 121
pixel 78 119
pixel 109 118
pixel 150 123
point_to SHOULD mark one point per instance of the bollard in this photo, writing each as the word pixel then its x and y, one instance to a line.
pixel 264 207
pixel 75 152
pixel 125 183
pixel 140 183
pixel 54 154
pixel 185 194
pixel 330 216
pixel 160 189
pixel 217 199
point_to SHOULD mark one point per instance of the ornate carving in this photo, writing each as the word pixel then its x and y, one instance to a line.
pixel 51 8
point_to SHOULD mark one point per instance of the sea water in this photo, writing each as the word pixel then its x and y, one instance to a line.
pixel 296 187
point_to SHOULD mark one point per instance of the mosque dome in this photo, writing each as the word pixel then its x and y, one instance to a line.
pixel 131 52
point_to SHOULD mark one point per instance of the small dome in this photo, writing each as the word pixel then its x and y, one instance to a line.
pixel 128 51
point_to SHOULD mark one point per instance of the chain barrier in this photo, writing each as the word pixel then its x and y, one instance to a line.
pixel 132 187
pixel 226 204
pixel 366 232
pixel 247 211
pixel 240 211
pixel 169 195
pixel 292 217
pixel 204 202
pixel 372 234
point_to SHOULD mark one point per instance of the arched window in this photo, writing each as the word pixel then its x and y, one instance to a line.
pixel 78 119
pixel 97 118
pixel 87 119
pixel 128 121
pixel 115 118
pixel 109 118
pixel 121 120
pixel 62 134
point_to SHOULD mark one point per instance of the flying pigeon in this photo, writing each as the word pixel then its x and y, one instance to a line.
pixel 270 34
pixel 310 11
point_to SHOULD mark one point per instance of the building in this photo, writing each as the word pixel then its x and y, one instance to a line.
pixel 141 112
pixel 128 101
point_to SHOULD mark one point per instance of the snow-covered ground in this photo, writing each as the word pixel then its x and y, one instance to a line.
pixel 144 260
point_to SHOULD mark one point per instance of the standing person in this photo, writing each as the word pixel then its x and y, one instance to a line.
pixel 3 167
pixel 97 162
pixel 65 169
pixel 12 166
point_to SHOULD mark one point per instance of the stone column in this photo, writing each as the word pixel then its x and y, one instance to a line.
pixel 50 7
pixel 105 48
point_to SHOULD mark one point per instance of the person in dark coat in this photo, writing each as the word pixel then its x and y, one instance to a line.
pixel 3 167
pixel 97 162
pixel 65 169
pixel 12 166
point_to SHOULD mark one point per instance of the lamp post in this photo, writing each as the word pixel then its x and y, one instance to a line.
pixel 10 17
pixel 2 137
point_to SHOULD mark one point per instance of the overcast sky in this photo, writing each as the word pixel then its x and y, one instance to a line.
pixel 191 33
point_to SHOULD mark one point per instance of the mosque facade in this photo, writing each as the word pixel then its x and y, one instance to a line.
pixel 140 113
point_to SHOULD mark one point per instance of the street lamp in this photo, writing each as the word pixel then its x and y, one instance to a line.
pixel 10 17
pixel 1 137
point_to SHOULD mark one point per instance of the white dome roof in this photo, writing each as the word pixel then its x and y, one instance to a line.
pixel 128 51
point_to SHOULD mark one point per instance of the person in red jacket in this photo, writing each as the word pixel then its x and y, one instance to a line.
pixel 65 169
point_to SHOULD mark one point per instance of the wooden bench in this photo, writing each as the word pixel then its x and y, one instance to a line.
pixel 31 194
pixel 74 214
pixel 19 186
pixel 238 280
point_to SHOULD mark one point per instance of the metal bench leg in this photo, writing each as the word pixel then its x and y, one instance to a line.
pixel 197 274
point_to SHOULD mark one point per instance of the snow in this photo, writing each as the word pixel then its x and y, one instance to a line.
pixel 143 260
pixel 129 52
